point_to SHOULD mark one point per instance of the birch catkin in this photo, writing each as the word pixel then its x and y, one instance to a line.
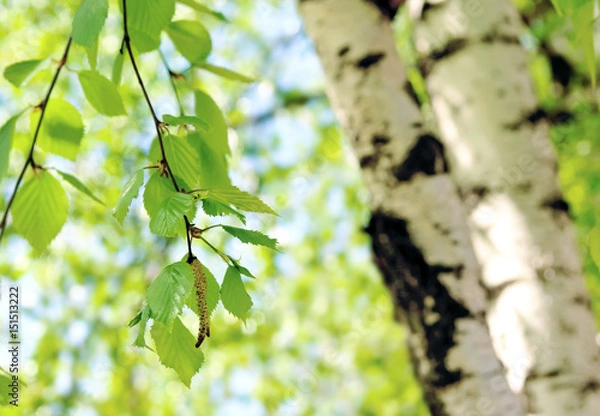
pixel 200 286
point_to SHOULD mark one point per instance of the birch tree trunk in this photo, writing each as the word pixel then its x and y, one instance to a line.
pixel 506 169
pixel 420 237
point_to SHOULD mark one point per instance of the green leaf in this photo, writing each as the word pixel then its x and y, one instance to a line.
pixel 232 195
pixel 77 184
pixel 101 93
pixel 217 209
pixel 170 213
pixel 140 340
pixel 225 73
pixel 252 237
pixel 212 293
pixel 130 192
pixel 5 381
pixel 191 39
pixel 146 19
pixel 204 9
pixel 167 294
pixel 233 294
pixel 595 245
pixel 158 189
pixel 209 111
pixel 88 21
pixel 117 69
pixel 583 24
pixel 175 349
pixel 19 71
pixel 62 128
pixel 182 157
pixel 40 209
pixel 213 165
pixel 136 319
pixel 241 268
pixel 191 120
pixel 92 55
pixel 6 134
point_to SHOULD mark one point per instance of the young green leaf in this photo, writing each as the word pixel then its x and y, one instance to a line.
pixel 595 245
pixel 217 209
pixel 140 340
pixel 212 293
pixel 92 55
pixel 191 120
pixel 40 209
pixel 209 111
pixel 17 73
pixel 117 69
pixel 175 349
pixel 233 294
pixel 170 213
pixel 167 294
pixel 191 39
pixel 225 73
pixel 252 237
pixel 182 157
pixel 62 129
pixel 6 134
pixel 232 195
pixel 88 21
pixel 77 184
pixel 213 166
pixel 146 20
pixel 157 190
pixel 241 268
pixel 130 192
pixel 203 9
pixel 101 93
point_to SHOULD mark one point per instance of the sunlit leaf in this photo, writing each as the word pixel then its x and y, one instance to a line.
pixel 6 134
pixel 40 209
pixel 170 213
pixel 88 21
pixel 117 69
pixel 214 170
pixel 146 20
pixel 190 120
pixel 191 39
pixel 225 73
pixel 130 192
pixel 209 111
pixel 232 195
pixel 167 294
pixel 203 9
pixel 175 349
pixel 19 71
pixel 251 237
pixel 233 294
pixel 77 184
pixel 101 93
pixel 183 158
pixel 62 128
pixel 218 209
pixel 140 340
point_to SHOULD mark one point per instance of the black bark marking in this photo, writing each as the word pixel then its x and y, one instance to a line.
pixel 451 48
pixel 367 161
pixel 388 8
pixel 412 281
pixel 408 87
pixel 557 204
pixel 591 386
pixel 370 60
pixel 427 157
pixel 380 140
pixel 343 51
pixel 494 37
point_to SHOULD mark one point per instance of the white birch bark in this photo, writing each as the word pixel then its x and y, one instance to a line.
pixel 420 237
pixel 506 169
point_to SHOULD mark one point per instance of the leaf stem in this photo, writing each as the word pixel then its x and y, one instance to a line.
pixel 30 161
pixel 172 79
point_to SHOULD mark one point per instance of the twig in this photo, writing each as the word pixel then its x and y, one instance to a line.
pixel 30 161
pixel 157 122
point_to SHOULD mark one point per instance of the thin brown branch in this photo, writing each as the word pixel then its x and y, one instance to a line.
pixel 30 161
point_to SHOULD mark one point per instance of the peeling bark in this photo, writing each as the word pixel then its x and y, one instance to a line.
pixel 420 239
pixel 505 166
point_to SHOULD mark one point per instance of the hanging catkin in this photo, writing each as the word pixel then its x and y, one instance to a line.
pixel 200 286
